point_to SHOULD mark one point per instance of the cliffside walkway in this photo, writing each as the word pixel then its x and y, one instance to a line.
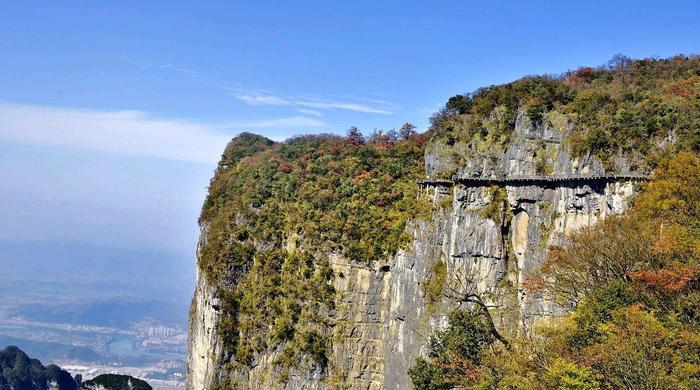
pixel 533 179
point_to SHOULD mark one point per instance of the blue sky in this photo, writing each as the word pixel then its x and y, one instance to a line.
pixel 113 114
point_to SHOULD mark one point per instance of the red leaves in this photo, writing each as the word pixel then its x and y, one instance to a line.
pixel 284 168
pixel 458 368
pixel 683 88
pixel 667 281
pixel 582 75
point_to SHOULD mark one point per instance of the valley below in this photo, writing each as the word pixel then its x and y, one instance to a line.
pixel 92 328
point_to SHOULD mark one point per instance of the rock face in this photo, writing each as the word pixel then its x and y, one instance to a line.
pixel 204 344
pixel 487 238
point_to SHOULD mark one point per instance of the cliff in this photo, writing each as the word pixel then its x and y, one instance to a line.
pixel 383 314
pixel 297 289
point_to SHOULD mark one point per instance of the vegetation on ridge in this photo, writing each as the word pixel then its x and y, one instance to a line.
pixel 115 382
pixel 276 211
pixel 19 371
pixel 633 107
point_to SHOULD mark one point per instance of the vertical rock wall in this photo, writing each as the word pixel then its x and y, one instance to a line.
pixel 383 316
pixel 204 343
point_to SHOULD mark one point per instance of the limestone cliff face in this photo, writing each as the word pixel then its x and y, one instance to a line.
pixel 383 315
pixel 481 255
pixel 204 344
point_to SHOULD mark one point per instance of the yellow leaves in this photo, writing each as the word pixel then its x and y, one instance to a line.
pixel 673 194
pixel 435 281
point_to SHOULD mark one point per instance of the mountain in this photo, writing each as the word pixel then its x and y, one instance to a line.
pixel 19 372
pixel 541 234
pixel 115 382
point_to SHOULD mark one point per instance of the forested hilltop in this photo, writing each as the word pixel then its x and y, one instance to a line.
pixel 274 208
pixel 640 109
pixel 285 224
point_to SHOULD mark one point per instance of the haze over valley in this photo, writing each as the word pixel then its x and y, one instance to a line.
pixel 95 309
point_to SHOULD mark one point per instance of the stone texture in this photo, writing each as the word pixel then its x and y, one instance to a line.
pixel 204 344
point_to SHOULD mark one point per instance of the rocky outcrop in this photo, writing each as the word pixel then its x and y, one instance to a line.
pixel 487 238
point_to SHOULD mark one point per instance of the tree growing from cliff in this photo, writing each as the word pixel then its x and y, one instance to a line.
pixel 454 352
pixel 462 288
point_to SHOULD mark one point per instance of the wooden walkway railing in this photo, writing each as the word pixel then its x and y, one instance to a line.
pixel 466 180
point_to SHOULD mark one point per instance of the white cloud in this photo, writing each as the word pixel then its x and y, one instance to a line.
pixel 264 98
pixel 126 132
pixel 309 112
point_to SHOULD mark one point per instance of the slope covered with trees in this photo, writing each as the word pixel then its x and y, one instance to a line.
pixel 19 372
pixel 638 108
pixel 115 382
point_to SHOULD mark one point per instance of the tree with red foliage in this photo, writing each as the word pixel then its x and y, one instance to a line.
pixel 666 281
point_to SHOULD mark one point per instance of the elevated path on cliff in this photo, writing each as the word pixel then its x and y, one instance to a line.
pixel 531 179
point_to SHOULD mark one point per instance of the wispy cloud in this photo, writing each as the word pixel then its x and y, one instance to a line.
pixel 299 122
pixel 306 111
pixel 260 98
pixel 180 69
pixel 128 132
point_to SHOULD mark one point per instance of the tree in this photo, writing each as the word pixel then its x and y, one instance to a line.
pixel 565 375
pixel 595 257
pixel 454 352
pixel 459 104
pixel 620 62
pixel 463 288
pixel 407 131
pixel 355 136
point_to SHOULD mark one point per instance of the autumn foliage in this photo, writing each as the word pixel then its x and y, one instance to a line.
pixel 666 281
